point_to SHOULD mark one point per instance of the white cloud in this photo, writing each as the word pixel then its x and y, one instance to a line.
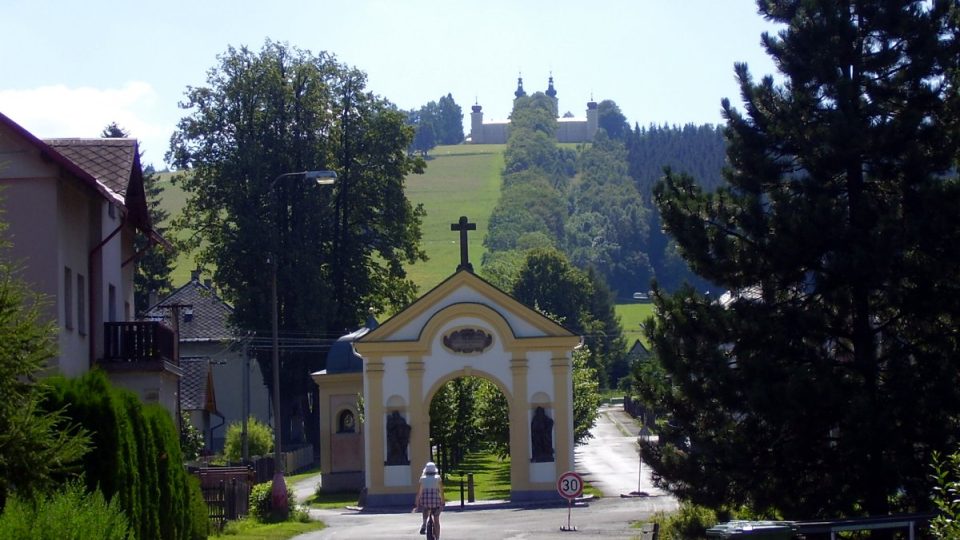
pixel 62 111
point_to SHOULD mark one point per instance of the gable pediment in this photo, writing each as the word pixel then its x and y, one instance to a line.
pixel 466 308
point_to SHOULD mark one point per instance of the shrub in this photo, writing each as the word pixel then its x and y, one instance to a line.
pixel 261 503
pixel 69 514
pixel 691 521
pixel 946 495
pixel 191 438
pixel 137 461
pixel 259 439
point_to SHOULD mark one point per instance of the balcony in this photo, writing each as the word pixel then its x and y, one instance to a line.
pixel 139 346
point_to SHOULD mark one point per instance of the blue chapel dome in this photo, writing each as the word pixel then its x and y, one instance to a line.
pixel 342 358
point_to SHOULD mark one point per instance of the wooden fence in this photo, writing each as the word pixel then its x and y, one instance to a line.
pixel 226 490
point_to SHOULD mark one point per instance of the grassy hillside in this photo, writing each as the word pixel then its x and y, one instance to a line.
pixel 631 316
pixel 460 180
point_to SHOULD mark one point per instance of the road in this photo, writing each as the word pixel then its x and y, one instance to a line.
pixel 608 461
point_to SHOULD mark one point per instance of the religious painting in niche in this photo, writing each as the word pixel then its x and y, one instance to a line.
pixel 468 340
pixel 346 422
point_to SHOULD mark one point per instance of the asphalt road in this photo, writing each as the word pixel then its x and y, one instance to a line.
pixel 609 461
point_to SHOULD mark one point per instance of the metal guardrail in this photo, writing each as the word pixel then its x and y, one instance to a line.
pixel 899 521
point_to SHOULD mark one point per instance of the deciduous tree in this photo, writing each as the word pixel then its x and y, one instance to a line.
pixel 339 250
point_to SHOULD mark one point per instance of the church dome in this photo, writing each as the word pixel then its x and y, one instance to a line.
pixel 342 358
pixel 551 91
pixel 520 92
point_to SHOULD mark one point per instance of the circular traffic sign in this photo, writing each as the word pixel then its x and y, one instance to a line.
pixel 570 485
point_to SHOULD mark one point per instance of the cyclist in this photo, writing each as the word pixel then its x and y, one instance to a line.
pixel 430 498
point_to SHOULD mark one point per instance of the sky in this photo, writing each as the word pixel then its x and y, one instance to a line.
pixel 67 69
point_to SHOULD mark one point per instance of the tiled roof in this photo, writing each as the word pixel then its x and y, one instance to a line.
pixel 58 158
pixel 196 392
pixel 109 160
pixel 207 318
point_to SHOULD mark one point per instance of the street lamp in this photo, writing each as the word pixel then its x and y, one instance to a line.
pixel 279 489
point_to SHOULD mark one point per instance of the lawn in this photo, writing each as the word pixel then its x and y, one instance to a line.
pixel 631 315
pixel 249 529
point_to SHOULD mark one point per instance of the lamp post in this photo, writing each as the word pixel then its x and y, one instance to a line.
pixel 279 489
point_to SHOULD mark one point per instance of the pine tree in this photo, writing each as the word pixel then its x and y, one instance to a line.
pixel 823 384
pixel 36 446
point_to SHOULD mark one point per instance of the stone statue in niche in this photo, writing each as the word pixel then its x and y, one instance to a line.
pixel 347 423
pixel 541 435
pixel 398 437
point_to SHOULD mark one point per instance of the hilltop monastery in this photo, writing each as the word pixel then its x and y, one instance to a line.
pixel 569 129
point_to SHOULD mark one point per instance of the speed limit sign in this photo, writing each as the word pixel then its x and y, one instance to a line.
pixel 570 485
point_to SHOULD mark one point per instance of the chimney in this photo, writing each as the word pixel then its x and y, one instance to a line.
pixel 151 298
pixel 195 275
pixel 208 283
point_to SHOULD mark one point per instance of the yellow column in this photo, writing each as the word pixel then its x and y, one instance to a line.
pixel 374 414
pixel 419 419
pixel 519 424
pixel 562 409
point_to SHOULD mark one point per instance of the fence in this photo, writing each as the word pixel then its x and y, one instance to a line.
pixel 226 490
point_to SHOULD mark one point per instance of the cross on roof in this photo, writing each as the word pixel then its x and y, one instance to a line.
pixel 463 226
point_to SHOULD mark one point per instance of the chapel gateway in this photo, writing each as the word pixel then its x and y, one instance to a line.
pixel 463 327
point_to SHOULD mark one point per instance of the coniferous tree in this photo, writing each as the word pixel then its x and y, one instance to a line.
pixel 37 445
pixel 449 121
pixel 822 384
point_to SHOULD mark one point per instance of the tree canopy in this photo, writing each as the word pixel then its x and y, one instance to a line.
pixel 822 383
pixel 339 251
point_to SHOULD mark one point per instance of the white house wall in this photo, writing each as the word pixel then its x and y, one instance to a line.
pixel 75 220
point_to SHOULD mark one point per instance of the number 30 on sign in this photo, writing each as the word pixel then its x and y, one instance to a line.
pixel 570 485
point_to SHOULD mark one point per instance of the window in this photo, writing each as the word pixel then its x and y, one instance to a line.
pixel 81 305
pixel 67 298
pixel 112 307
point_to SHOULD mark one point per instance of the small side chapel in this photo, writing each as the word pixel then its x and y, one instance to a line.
pixel 463 327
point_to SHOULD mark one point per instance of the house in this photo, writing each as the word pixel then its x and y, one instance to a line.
pixel 198 399
pixel 73 208
pixel 206 339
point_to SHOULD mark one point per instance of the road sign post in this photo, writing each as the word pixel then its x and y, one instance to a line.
pixel 570 486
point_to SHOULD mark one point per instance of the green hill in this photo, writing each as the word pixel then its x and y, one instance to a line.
pixel 461 180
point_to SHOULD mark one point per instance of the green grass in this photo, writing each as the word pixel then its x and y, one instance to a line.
pixel 172 200
pixel 339 499
pixel 461 180
pixel 631 315
pixel 248 529
pixel 294 478
pixel 491 477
